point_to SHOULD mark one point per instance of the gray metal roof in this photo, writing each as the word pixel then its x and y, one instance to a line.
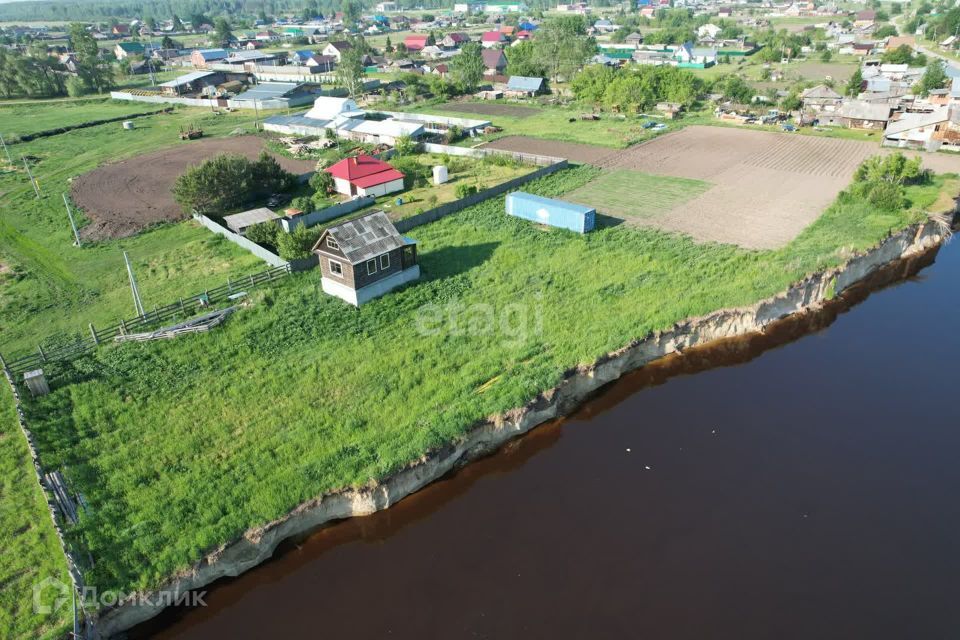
pixel 186 79
pixel 367 237
pixel 240 221
pixel 269 91
pixel 524 83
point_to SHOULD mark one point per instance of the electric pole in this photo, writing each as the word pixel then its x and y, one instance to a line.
pixel 73 224
pixel 33 181
pixel 133 286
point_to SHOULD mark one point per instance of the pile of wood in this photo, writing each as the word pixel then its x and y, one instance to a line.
pixel 65 503
pixel 199 324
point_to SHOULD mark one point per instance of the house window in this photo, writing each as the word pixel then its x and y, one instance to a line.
pixel 332 243
pixel 385 261
pixel 336 268
pixel 371 267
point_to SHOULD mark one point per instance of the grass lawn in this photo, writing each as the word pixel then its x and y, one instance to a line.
pixel 633 195
pixel 469 171
pixel 22 118
pixel 31 551
pixel 180 446
pixel 554 123
pixel 47 286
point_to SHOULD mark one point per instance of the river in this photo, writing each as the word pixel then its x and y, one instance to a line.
pixel 801 484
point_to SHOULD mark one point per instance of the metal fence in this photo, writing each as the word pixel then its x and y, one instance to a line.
pixel 76 347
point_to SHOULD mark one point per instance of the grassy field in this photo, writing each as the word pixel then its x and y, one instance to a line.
pixel 554 123
pixel 48 286
pixel 633 195
pixel 181 446
pixel 21 119
pixel 31 551
pixel 461 171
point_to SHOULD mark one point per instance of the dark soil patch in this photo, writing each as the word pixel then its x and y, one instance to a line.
pixel 573 151
pixel 124 197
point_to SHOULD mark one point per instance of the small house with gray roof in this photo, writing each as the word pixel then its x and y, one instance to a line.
pixel 364 258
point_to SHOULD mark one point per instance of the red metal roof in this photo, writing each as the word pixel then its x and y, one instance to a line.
pixel 377 178
pixel 363 171
pixel 492 36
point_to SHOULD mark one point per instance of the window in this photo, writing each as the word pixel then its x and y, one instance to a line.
pixel 371 267
pixel 336 268
pixel 332 243
pixel 385 261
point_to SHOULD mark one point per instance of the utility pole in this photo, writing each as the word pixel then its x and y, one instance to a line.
pixel 33 181
pixel 6 151
pixel 133 286
pixel 73 225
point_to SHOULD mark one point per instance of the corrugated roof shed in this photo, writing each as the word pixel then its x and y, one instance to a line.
pixel 238 222
pixel 524 83
pixel 186 79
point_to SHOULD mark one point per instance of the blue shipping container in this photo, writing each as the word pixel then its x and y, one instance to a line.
pixel 555 213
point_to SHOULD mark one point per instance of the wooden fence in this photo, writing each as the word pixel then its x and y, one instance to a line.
pixel 71 349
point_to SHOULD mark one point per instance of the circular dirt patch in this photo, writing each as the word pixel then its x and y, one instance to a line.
pixel 124 197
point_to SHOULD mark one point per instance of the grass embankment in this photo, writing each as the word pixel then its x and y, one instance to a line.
pixel 181 446
pixel 31 551
pixel 49 287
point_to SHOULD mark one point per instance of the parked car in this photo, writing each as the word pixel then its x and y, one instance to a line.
pixel 789 128
pixel 649 124
pixel 277 199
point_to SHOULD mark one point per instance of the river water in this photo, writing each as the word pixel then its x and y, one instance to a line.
pixel 801 484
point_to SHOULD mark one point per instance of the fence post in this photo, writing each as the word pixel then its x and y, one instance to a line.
pixel 43 356
pixel 123 327
pixel 93 332
pixel 251 280
pixel 182 307
pixel 229 286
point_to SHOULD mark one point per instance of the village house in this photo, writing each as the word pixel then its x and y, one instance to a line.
pixel 524 87
pixel 454 40
pixel 494 61
pixel 858 114
pixel 365 175
pixel 820 98
pixel 492 39
pixel 929 131
pixel 124 50
pixel 200 58
pixel 365 258
pixel 336 49
pixel 636 39
pixel 415 43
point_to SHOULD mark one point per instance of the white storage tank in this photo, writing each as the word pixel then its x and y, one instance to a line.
pixel 440 175
pixel 128 124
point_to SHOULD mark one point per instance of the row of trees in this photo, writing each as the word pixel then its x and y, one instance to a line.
pixel 641 87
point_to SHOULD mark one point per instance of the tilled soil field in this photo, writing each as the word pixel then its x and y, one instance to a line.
pixel 767 187
pixel 124 197
pixel 491 110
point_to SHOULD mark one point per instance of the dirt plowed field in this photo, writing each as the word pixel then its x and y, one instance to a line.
pixel 766 187
pixel 574 151
pixel 124 197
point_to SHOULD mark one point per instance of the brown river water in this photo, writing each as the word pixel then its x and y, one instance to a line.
pixel 800 485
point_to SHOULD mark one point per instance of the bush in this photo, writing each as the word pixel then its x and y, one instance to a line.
pixel 296 245
pixel 414 173
pixel 321 182
pixel 463 190
pixel 263 233
pixel 229 181
pixel 405 145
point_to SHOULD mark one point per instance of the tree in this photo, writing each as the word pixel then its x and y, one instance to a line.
pixel 196 20
pixel 826 56
pixel 350 72
pixel 95 77
pixel 522 61
pixel 168 43
pixel 296 244
pixel 466 69
pixel 222 35
pixel 885 31
pixel 903 55
pixel 405 146
pixel 388 47
pixel 321 181
pixel 262 16
pixel 562 46
pixel 854 84
pixel 351 12
pixel 177 23
pixel 935 77
pixel 228 181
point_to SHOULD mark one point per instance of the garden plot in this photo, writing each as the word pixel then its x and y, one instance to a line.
pixel 124 197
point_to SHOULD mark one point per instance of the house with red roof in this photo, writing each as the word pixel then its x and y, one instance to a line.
pixel 365 175
pixel 416 42
pixel 454 40
pixel 492 38
pixel 507 30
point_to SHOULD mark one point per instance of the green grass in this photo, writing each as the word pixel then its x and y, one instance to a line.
pixel 21 119
pixel 553 123
pixel 634 195
pixel 181 446
pixel 31 551
pixel 47 286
